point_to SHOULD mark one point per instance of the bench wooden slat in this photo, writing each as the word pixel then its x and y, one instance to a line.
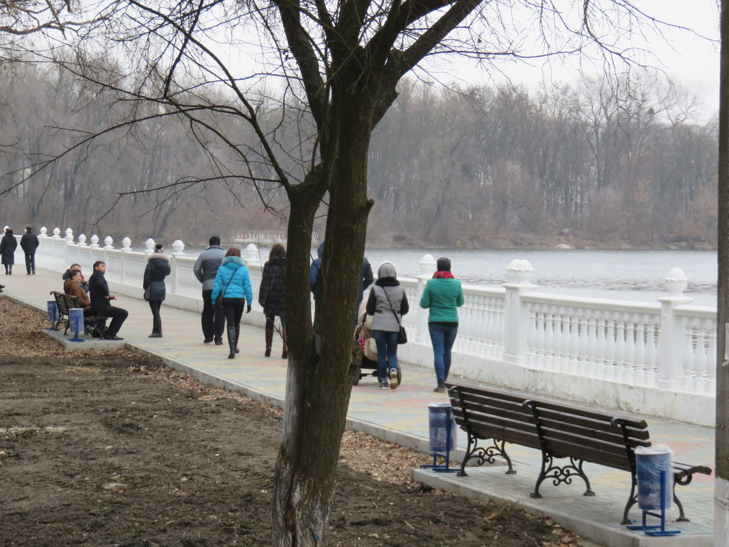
pixel 487 431
pixel 497 412
pixel 548 404
pixel 589 454
pixel 478 399
pixel 488 419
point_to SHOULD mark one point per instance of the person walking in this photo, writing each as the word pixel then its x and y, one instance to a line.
pixel 8 245
pixel 158 267
pixel 365 280
pixel 387 304
pixel 272 296
pixel 101 302
pixel 205 269
pixel 443 295
pixel 233 283
pixel 314 270
pixel 29 242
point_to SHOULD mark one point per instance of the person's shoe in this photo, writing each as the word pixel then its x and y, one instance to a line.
pixel 113 338
pixel 393 379
pixel 440 388
pixel 156 335
pixel 237 336
pixel 231 342
pixel 285 354
pixel 384 385
pixel 269 341
pixel 219 342
pixel 208 341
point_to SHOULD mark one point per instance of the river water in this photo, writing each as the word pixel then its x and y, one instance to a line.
pixel 619 275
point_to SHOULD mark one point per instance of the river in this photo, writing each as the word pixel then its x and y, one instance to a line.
pixel 620 275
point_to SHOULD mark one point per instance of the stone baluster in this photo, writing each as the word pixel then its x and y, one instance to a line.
pixel 599 344
pixel 56 233
pixel 178 248
pixel 428 268
pixel 108 243
pixel 516 318
pixel 69 235
pixel 651 351
pixel 628 358
pixel 670 339
pixel 532 335
pixel 43 232
pixel 619 356
pixel 126 247
pixel 641 368
pixel 710 384
pixel 126 244
pixel 573 347
pixel 699 367
pixel 94 241
pixel 149 246
pixel 539 336
pixel 82 240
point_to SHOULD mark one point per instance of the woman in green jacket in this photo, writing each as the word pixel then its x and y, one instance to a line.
pixel 443 295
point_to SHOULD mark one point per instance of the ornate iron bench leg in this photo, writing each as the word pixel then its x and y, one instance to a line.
pixel 485 455
pixel 560 474
pixel 632 500
pixel 682 482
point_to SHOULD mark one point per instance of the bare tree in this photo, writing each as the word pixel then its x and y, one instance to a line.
pixel 338 63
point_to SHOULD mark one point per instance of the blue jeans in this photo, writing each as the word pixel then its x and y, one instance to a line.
pixel 442 338
pixel 386 351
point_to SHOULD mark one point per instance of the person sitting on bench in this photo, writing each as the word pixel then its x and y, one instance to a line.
pixel 101 301
pixel 74 268
pixel 73 287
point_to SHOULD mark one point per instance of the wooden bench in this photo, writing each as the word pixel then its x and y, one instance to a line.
pixel 66 302
pixel 561 431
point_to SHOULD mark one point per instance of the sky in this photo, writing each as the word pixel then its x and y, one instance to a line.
pixel 687 59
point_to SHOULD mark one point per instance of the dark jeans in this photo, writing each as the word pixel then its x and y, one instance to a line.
pixel 386 351
pixel 8 269
pixel 233 310
pixel 156 317
pixel 442 338
pixel 213 319
pixel 117 315
pixel 30 262
pixel 270 320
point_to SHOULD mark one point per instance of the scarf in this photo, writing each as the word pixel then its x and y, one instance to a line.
pixel 443 275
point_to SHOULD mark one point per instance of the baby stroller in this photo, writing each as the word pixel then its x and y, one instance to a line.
pixel 368 363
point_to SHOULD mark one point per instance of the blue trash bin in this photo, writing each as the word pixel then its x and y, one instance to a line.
pixel 76 322
pixel 652 464
pixel 442 421
pixel 53 316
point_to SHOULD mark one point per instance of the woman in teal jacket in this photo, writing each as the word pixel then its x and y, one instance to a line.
pixel 234 283
pixel 443 295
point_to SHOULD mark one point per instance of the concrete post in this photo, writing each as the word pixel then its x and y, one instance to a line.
pixel 516 320
pixel 670 337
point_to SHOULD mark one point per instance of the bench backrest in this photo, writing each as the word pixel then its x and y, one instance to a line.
pixel 61 302
pixel 566 429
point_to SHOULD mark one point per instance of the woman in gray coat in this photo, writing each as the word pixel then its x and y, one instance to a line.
pixel 158 267
pixel 387 304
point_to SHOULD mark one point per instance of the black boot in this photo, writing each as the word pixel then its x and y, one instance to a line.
pixel 237 336
pixel 269 341
pixel 231 342
pixel 156 328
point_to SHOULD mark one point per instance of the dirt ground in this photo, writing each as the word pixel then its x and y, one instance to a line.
pixel 101 448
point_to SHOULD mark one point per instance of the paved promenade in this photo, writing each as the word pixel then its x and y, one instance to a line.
pixel 401 416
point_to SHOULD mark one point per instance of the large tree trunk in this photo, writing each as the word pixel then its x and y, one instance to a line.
pixel 318 386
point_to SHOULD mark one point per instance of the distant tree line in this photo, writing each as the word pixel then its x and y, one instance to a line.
pixel 488 166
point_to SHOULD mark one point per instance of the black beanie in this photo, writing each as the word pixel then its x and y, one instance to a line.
pixel 444 264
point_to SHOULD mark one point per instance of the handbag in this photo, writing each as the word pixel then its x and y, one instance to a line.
pixel 402 336
pixel 219 299
pixel 146 293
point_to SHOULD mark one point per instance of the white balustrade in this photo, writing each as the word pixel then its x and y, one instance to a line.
pixel 669 345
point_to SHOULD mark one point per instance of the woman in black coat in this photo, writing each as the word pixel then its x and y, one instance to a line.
pixel 272 295
pixel 7 250
pixel 158 267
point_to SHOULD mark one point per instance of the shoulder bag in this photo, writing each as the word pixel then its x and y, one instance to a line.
pixel 402 337
pixel 219 299
pixel 146 292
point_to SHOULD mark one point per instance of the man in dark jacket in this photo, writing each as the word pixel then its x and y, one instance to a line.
pixel 205 269
pixel 315 269
pixel 365 280
pixel 101 302
pixel 29 242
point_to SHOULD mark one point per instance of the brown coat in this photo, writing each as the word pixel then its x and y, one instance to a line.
pixel 74 289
